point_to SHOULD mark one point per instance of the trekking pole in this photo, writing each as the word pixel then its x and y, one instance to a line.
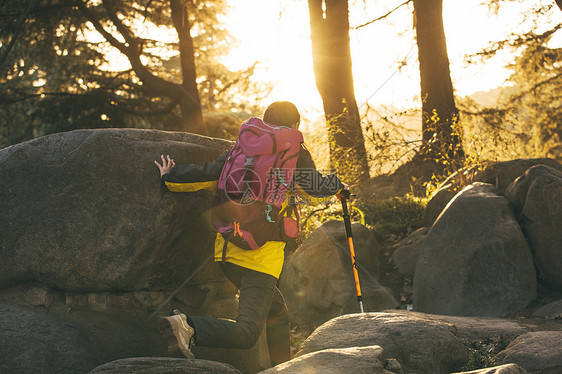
pixel 343 196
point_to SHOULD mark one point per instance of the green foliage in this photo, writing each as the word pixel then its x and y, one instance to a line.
pixel 536 106
pixel 390 138
pixel 46 82
pixel 397 147
pixel 527 120
pixel 313 216
pixel 347 146
pixel 389 219
pixel 59 74
pixel 482 352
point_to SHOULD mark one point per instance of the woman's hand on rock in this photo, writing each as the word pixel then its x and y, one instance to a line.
pixel 167 164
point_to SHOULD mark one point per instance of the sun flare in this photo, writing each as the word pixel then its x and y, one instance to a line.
pixel 384 54
pixel 277 35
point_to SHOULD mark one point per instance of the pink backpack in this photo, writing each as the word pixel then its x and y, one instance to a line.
pixel 253 185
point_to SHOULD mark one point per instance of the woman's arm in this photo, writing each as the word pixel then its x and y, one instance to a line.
pixel 311 184
pixel 191 177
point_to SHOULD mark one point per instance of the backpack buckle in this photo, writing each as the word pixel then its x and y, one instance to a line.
pixel 249 163
pixel 237 231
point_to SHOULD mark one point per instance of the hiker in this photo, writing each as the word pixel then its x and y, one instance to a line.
pixel 251 250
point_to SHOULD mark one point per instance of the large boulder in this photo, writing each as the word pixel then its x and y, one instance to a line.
pixel 164 365
pixel 537 198
pixel 85 211
pixel 405 253
pixel 75 332
pixel 437 203
pixel 431 343
pixel 92 244
pixel 419 344
pixel 502 369
pixel 550 310
pixel 35 339
pixel 538 352
pixel 357 360
pixel 499 174
pixel 475 260
pixel 471 329
pixel 318 282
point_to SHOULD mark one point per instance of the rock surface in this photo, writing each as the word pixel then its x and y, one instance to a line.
pixel 163 365
pixel 413 342
pixel 317 280
pixel 357 360
pixel 499 174
pixel 85 211
pixel 471 328
pixel 92 243
pixel 406 252
pixel 437 203
pixel 419 344
pixel 475 260
pixel 502 369
pixel 36 340
pixel 537 198
pixel 537 352
pixel 551 310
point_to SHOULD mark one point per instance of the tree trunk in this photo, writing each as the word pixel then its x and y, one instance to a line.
pixel 438 104
pixel 186 94
pixel 190 103
pixel 329 25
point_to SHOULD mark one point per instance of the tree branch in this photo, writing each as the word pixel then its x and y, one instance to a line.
pixel 18 29
pixel 27 96
pixel 483 112
pixel 96 21
pixel 38 9
pixel 159 86
pixel 386 15
pixel 516 41
pixel 535 86
pixel 162 110
pixel 109 6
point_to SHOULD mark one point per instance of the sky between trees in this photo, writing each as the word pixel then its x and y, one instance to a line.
pixel 378 50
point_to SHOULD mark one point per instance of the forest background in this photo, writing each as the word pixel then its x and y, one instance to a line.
pixel 379 83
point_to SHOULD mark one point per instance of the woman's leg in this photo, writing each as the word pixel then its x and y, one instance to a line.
pixel 255 300
pixel 278 336
pixel 277 324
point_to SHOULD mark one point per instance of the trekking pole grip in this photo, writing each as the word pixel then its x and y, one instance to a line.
pixel 344 194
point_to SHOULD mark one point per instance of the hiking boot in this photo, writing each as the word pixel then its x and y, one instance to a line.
pixel 178 333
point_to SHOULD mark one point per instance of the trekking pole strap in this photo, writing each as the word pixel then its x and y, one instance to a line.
pixel 171 295
pixel 354 264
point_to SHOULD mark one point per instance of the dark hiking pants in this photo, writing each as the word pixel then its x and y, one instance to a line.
pixel 260 304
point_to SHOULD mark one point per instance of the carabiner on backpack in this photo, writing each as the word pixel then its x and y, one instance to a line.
pixel 267 211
